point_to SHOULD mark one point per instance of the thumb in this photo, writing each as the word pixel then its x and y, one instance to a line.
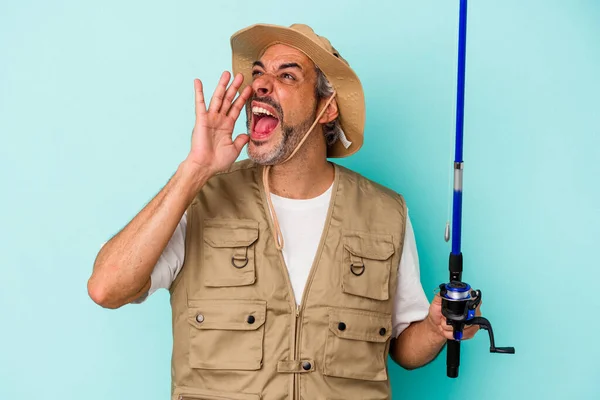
pixel 240 141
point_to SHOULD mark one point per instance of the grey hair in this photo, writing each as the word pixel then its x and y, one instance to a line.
pixel 332 130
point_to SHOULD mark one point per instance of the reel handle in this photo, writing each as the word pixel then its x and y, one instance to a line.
pixel 459 302
pixel 485 324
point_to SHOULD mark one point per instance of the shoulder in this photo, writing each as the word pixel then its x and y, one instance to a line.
pixel 238 168
pixel 238 175
pixel 371 189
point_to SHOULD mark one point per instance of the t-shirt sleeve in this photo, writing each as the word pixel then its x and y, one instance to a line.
pixel 410 303
pixel 169 263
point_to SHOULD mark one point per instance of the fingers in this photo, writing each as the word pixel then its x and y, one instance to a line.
pixel 478 310
pixel 240 142
pixel 444 327
pixel 231 92
pixel 447 334
pixel 445 324
pixel 239 103
pixel 199 98
pixel 217 99
pixel 447 330
pixel 470 331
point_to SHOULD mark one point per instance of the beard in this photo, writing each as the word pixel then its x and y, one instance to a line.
pixel 291 135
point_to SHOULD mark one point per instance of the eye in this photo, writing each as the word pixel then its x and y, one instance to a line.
pixel 256 73
pixel 286 75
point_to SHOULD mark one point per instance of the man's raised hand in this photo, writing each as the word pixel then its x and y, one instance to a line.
pixel 213 146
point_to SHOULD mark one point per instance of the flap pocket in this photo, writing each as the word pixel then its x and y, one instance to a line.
pixel 360 325
pixel 375 247
pixel 233 315
pixel 226 334
pixel 366 264
pixel 230 233
pixel 185 393
pixel 228 252
pixel 357 344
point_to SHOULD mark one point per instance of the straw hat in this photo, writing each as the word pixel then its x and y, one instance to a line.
pixel 249 44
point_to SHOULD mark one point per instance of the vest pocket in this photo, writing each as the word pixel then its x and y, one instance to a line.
pixel 366 264
pixel 185 393
pixel 228 252
pixel 226 334
pixel 356 345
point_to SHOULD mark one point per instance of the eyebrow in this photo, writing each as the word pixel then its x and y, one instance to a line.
pixel 282 66
pixel 290 65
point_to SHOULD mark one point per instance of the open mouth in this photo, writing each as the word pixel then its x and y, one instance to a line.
pixel 264 121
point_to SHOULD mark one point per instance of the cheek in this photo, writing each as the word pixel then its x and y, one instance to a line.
pixel 297 104
pixel 299 111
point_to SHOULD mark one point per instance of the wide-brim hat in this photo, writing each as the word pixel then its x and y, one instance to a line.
pixel 250 43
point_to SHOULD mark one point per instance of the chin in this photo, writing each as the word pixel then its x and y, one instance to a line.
pixel 265 152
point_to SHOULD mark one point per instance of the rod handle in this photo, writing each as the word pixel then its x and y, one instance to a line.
pixel 452 358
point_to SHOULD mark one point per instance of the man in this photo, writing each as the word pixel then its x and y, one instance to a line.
pixel 300 276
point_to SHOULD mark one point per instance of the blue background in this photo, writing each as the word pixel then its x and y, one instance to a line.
pixel 96 110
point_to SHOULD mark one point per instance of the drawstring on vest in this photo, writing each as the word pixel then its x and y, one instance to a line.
pixel 277 232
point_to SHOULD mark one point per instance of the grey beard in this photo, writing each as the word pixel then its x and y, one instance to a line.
pixel 292 135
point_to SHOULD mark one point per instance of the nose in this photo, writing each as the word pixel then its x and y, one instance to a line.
pixel 262 85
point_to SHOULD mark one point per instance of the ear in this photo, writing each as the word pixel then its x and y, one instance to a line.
pixel 331 113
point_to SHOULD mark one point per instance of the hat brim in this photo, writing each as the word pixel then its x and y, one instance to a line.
pixel 249 44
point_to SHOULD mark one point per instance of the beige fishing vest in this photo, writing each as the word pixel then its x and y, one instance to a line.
pixel 237 331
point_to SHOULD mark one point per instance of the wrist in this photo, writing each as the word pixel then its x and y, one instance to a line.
pixel 193 175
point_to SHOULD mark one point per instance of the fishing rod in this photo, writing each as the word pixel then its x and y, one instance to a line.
pixel 459 300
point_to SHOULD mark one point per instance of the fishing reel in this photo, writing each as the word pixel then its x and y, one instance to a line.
pixel 459 303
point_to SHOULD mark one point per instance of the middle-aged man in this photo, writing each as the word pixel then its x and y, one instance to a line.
pixel 290 277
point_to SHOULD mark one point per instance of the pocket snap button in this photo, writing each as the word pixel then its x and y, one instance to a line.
pixel 250 319
pixel 200 318
pixel 382 331
pixel 342 326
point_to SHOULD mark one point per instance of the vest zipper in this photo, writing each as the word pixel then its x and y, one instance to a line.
pixel 298 307
pixel 296 352
pixel 295 308
pixel 308 284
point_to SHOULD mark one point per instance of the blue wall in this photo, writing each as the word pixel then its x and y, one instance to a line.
pixel 96 109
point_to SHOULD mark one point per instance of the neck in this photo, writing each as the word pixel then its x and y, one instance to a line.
pixel 308 174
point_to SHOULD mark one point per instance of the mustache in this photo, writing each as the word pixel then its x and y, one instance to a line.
pixel 267 100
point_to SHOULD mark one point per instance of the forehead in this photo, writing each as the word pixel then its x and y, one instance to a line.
pixel 281 53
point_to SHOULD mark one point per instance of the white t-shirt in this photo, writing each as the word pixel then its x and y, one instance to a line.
pixel 301 223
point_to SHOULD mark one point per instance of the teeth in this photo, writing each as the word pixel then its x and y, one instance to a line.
pixel 260 110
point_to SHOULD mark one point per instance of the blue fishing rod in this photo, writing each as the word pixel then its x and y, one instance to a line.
pixel 459 300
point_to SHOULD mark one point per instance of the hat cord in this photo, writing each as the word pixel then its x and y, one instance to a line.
pixel 277 235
